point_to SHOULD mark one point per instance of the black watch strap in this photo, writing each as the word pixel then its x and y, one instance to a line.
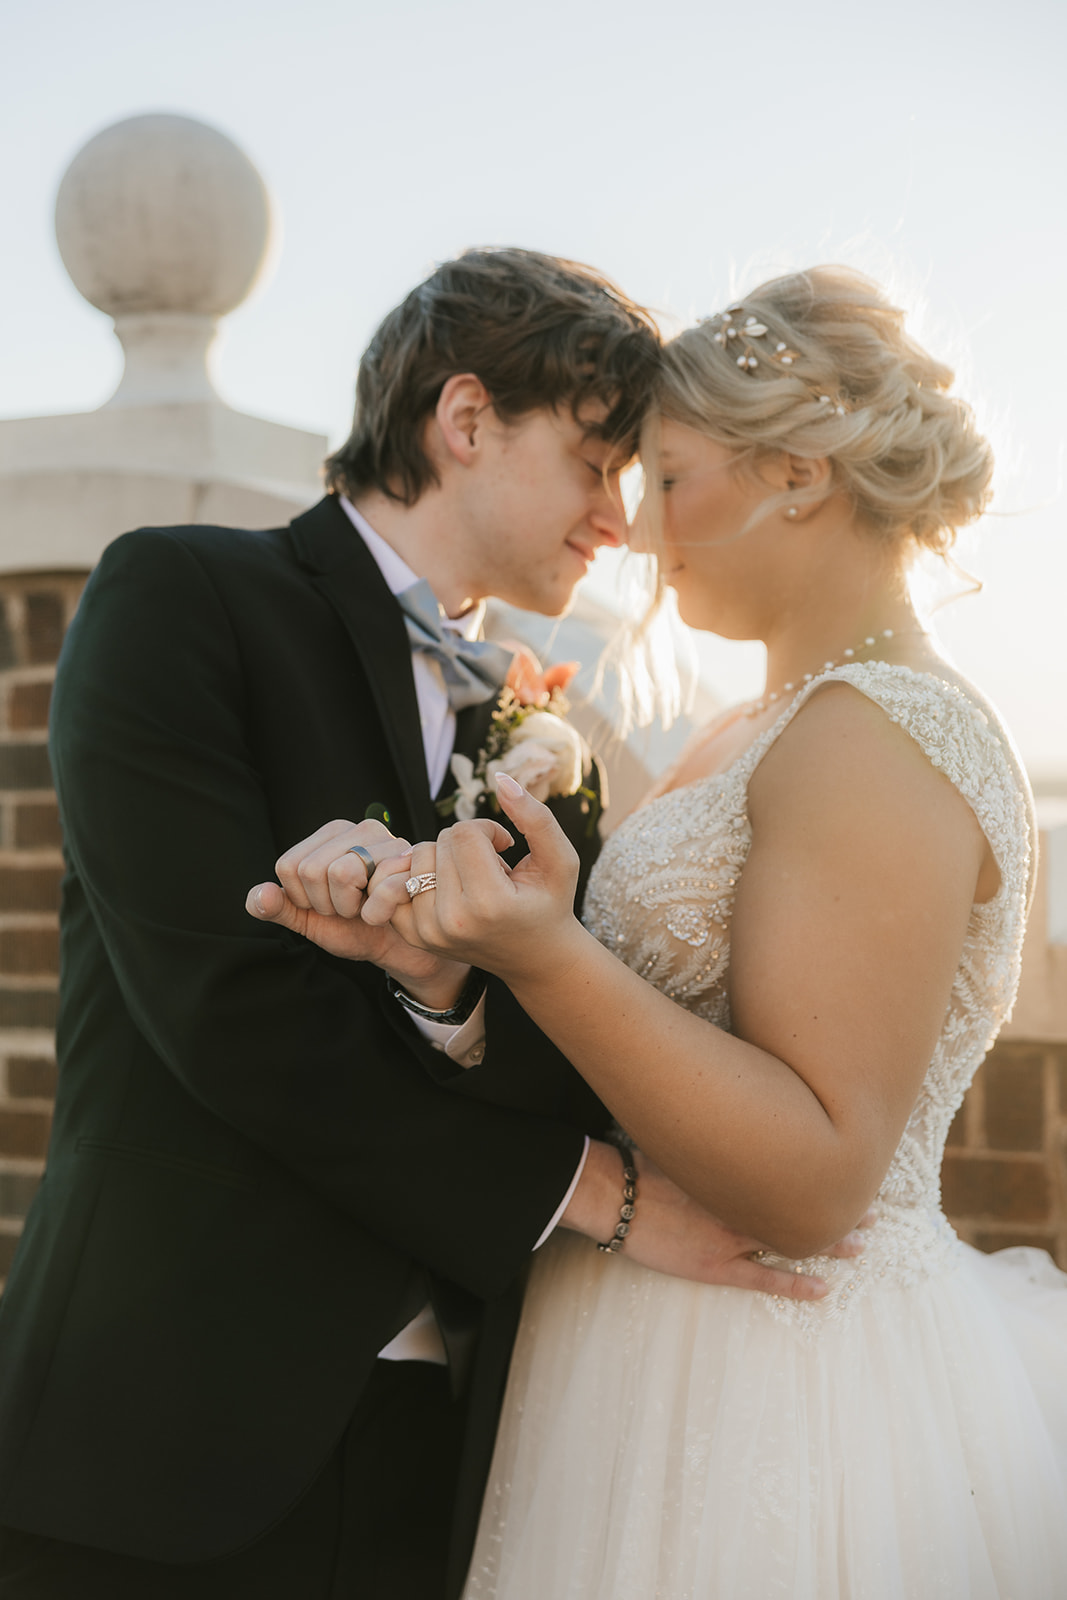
pixel 455 1015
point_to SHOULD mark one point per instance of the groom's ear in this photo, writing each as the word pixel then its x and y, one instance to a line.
pixel 463 408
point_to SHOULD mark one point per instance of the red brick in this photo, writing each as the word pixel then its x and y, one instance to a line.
pixel 8 1243
pixel 24 1133
pixel 25 766
pixel 44 626
pixel 27 705
pixel 8 654
pixel 1015 1100
pixel 37 826
pixel 17 1190
pixel 988 1241
pixel 28 1008
pixel 1008 1190
pixel 29 950
pixel 30 888
pixel 31 1078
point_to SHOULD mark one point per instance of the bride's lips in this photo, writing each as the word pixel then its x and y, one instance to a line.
pixel 585 552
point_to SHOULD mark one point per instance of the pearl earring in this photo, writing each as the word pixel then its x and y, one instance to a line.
pixel 790 511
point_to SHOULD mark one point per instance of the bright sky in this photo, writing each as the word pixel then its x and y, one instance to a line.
pixel 689 149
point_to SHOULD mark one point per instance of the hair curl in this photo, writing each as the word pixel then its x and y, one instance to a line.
pixel 905 451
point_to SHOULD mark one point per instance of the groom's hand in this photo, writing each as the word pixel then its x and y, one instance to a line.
pixel 325 872
pixel 322 888
pixel 672 1234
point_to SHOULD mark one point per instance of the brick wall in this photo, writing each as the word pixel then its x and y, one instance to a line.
pixel 34 613
pixel 1005 1170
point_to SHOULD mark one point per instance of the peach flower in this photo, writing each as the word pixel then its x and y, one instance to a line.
pixel 529 683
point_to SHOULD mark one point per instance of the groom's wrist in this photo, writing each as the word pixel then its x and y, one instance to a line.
pixel 593 1208
pixel 450 999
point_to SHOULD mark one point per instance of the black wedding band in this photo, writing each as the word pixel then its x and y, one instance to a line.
pixel 366 858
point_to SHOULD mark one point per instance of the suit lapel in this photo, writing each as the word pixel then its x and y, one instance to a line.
pixel 343 569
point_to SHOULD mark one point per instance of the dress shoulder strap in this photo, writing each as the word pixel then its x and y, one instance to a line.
pixel 963 737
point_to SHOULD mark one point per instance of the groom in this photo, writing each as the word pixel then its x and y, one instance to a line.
pixel 235 1346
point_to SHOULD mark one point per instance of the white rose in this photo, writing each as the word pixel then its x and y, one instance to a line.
pixel 530 764
pixel 545 755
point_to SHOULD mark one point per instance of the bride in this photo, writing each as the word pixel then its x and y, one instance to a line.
pixel 794 956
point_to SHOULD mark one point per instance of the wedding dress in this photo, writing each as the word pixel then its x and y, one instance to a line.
pixel 902 1439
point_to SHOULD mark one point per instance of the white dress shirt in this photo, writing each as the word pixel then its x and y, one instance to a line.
pixel 421 1339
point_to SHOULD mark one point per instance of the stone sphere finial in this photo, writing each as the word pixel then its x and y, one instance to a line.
pixel 163 223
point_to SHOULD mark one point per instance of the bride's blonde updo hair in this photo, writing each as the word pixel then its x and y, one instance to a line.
pixel 817 364
pixel 833 373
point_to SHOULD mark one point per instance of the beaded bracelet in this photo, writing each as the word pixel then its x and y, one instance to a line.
pixel 626 1214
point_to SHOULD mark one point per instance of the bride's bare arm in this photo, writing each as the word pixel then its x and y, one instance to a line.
pixel 847 931
pixel 321 893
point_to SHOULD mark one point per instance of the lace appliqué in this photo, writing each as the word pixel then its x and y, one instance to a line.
pixel 661 897
pixel 664 897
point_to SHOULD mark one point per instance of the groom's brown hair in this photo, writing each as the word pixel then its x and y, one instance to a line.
pixel 537 330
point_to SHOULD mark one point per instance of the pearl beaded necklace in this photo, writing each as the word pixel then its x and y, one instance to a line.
pixel 754 707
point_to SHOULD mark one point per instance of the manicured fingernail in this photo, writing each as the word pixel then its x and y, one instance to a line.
pixel 506 784
pixel 856 1240
pixel 257 900
pixel 819 1289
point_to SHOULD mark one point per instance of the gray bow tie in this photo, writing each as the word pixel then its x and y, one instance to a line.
pixel 474 669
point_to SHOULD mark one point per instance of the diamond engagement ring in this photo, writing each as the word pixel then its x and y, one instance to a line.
pixel 420 884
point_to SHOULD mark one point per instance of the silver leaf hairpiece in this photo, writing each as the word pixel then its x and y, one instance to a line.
pixel 736 330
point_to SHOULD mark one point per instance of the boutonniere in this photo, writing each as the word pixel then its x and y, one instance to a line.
pixel 529 738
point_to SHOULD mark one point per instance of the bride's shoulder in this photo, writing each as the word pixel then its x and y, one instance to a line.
pixel 945 714
pixel 871 723
pixel 898 732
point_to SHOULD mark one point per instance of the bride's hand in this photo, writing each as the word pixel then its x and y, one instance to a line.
pixel 321 891
pixel 482 911
pixel 672 1234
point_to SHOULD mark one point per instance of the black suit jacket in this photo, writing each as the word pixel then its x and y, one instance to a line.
pixel 256 1162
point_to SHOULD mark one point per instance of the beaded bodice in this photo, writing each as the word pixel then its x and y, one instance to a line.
pixel 662 894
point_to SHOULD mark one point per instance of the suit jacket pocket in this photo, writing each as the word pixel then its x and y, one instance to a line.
pixel 139 1155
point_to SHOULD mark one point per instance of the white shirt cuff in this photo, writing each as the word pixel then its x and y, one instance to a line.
pixel 565 1202
pixel 464 1045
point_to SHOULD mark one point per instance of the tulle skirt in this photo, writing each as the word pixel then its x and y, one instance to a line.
pixel 669 1441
